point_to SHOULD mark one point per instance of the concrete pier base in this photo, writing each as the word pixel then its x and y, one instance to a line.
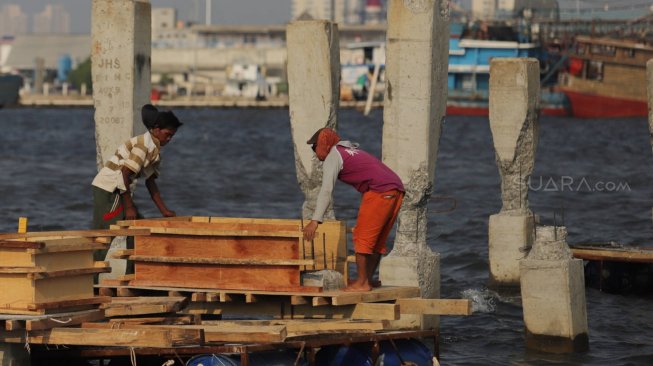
pixel 649 89
pixel 421 270
pixel 553 295
pixel 13 355
pixel 510 234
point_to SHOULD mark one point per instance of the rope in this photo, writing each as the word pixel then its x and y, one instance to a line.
pixel 132 356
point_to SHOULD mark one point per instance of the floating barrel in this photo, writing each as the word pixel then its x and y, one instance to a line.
pixel 281 358
pixel 409 351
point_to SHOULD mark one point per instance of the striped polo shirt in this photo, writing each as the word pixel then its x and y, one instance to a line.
pixel 140 155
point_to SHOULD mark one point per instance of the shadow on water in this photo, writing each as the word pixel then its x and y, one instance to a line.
pixel 241 163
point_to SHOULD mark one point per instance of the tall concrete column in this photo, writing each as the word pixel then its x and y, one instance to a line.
pixel 553 295
pixel 514 112
pixel 314 93
pixel 120 55
pixel 414 107
pixel 649 88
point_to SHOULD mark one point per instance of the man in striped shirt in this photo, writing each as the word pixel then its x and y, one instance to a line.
pixel 137 158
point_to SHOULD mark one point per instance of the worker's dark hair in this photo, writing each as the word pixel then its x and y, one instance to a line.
pixel 149 114
pixel 152 118
pixel 167 119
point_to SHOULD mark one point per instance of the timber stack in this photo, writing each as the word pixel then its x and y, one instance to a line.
pixel 200 285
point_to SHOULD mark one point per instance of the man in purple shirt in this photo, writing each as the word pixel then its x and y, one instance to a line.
pixel 382 192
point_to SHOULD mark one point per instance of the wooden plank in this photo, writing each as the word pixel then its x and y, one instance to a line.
pixel 21 270
pixel 376 311
pixel 65 320
pixel 128 306
pixel 122 253
pixel 198 297
pixel 84 246
pixel 384 293
pixel 297 327
pixel 69 303
pixel 67 273
pixel 212 297
pixel 250 298
pixel 228 332
pixel 217 276
pixel 435 306
pixel 5 244
pixel 172 319
pixel 630 256
pixel 150 337
pixel 74 233
pixel 320 301
pixel 217 232
pixel 217 247
pixel 227 261
pixel 298 300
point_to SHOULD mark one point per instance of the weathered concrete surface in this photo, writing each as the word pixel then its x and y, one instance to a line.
pixel 13 355
pixel 120 54
pixel 314 92
pixel 510 235
pixel 649 89
pixel 514 110
pixel 553 295
pixel 414 107
pixel 421 270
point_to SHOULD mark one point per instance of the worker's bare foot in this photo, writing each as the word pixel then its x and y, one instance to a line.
pixel 358 287
pixel 376 283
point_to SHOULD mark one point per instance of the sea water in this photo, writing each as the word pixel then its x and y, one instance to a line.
pixel 598 174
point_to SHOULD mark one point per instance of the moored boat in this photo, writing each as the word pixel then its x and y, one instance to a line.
pixel 9 87
pixel 607 78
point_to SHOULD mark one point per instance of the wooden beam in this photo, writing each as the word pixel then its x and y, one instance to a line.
pixel 65 320
pixel 69 303
pixel 213 232
pixel 634 255
pixel 376 295
pixel 228 261
pixel 298 327
pixel 77 233
pixel 376 311
pixel 435 306
pixel 151 337
pixel 67 273
pixel 127 306
pixel 9 244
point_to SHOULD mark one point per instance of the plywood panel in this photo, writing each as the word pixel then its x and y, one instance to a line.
pixel 65 260
pixel 17 291
pixel 216 247
pixel 63 288
pixel 14 257
pixel 216 276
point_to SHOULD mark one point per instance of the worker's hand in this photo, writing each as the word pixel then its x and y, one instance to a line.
pixel 131 213
pixel 309 230
pixel 168 213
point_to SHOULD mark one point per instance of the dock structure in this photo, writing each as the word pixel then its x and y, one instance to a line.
pixel 514 113
pixel 189 295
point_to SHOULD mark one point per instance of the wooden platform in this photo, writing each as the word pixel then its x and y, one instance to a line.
pixel 613 252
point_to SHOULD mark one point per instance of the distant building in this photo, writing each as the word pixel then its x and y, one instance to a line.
pixel 54 19
pixel 164 18
pixel 12 20
pixel 509 9
pixel 341 11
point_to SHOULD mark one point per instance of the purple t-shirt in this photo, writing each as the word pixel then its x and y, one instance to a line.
pixel 365 172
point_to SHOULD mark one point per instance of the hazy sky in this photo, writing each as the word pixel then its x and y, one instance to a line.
pixel 224 11
pixel 244 11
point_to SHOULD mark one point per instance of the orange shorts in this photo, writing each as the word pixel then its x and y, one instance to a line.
pixel 376 216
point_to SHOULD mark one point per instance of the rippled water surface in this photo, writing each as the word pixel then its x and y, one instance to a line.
pixel 240 163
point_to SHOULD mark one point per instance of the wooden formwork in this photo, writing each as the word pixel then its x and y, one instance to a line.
pixel 233 253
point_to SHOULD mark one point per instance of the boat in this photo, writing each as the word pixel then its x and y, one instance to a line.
pixel 606 77
pixel 469 70
pixel 9 87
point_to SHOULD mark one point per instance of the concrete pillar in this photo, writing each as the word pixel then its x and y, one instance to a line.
pixel 414 107
pixel 649 88
pixel 314 92
pixel 553 295
pixel 39 75
pixel 13 355
pixel 120 53
pixel 514 110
